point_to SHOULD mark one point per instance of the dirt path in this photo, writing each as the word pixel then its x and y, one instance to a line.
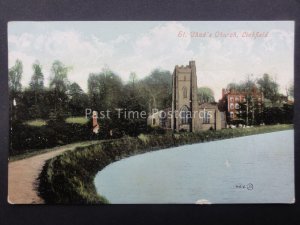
pixel 23 174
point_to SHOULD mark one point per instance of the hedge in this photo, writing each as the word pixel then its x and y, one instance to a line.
pixel 69 178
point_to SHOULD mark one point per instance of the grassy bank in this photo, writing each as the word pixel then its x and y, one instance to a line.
pixel 72 146
pixel 69 178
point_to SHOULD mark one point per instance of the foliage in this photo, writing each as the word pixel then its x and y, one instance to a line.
pixel 24 138
pixel 268 86
pixel 291 91
pixel 205 94
pixel 104 90
pixel 275 115
pixel 249 112
pixel 37 79
pixel 156 90
pixel 14 77
pixel 59 76
pixel 78 100
pixel 245 86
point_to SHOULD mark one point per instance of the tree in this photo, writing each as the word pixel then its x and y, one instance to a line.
pixel 249 110
pixel 37 79
pixel 59 76
pixel 268 86
pixel 133 79
pixel 15 88
pixel 36 86
pixel 104 90
pixel 205 94
pixel 291 91
pixel 59 86
pixel 78 100
pixel 15 76
pixel 156 90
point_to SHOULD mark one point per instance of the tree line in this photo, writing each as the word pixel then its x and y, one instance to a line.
pixel 62 98
pixel 273 109
pixel 105 91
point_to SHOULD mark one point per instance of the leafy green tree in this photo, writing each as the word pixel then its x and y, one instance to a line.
pixel 205 95
pixel 36 86
pixel 15 90
pixel 59 76
pixel 246 85
pixel 268 86
pixel 59 86
pixel 104 90
pixel 78 100
pixel 291 91
pixel 133 79
pixel 156 89
pixel 37 79
pixel 250 112
pixel 15 76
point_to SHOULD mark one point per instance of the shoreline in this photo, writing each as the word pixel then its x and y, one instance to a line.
pixel 69 178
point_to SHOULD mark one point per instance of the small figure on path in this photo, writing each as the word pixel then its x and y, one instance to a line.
pixel 96 126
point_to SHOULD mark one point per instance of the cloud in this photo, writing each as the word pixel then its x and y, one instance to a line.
pixel 278 39
pixel 21 42
pixel 159 47
pixel 219 60
pixel 84 53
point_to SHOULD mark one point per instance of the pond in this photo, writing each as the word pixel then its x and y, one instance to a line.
pixel 251 169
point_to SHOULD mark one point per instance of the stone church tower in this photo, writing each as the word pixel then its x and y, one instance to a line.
pixel 185 106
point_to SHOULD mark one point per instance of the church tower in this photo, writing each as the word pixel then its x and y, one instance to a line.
pixel 185 106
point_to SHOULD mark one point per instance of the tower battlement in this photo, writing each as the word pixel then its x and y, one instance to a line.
pixel 189 66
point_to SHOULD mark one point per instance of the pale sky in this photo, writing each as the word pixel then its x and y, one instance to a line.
pixel 140 47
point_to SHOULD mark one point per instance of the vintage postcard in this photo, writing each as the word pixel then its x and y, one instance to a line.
pixel 163 112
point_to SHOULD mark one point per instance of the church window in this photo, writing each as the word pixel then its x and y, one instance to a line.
pixel 231 106
pixel 206 117
pixel 184 115
pixel 237 106
pixel 184 92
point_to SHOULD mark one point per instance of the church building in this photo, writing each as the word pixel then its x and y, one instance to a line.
pixel 187 113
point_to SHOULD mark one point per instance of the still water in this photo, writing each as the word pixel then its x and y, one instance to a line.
pixel 252 169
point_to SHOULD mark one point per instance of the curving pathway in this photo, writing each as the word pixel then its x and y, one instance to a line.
pixel 23 174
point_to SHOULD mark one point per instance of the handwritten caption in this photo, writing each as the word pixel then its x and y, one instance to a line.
pixel 221 34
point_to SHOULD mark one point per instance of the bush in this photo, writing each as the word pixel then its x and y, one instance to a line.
pixel 24 137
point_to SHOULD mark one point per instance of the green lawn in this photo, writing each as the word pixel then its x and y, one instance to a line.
pixel 36 123
pixel 80 120
pixel 41 122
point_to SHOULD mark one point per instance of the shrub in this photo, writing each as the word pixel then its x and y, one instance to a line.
pixel 24 137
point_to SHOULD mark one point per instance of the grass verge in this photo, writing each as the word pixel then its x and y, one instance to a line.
pixel 79 120
pixel 36 123
pixel 69 178
pixel 34 152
